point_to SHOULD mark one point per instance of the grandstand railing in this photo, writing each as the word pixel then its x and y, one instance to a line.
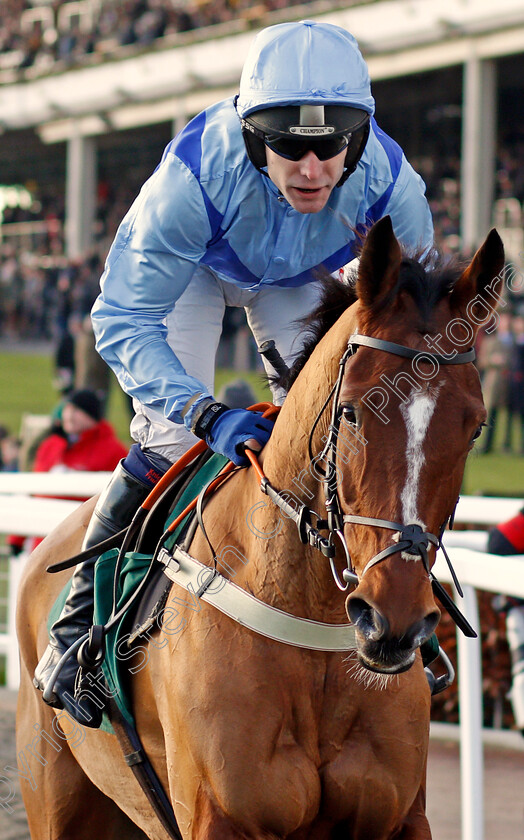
pixel 23 232
pixel 23 513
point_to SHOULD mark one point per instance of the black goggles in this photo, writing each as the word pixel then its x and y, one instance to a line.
pixel 294 148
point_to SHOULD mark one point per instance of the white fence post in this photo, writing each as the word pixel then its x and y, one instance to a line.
pixel 470 717
pixel 16 565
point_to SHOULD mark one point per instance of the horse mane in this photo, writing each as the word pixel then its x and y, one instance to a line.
pixel 426 279
pixel 336 296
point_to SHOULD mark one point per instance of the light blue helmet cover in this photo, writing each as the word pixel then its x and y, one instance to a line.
pixel 304 62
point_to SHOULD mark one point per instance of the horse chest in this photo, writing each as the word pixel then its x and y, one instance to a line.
pixel 373 749
pixel 369 781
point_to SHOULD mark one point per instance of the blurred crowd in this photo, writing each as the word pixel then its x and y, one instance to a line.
pixel 37 35
pixel 46 296
pixel 501 364
pixel 77 438
pixel 441 175
pixel 40 289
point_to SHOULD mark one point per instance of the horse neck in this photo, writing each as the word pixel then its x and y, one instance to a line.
pixel 287 454
pixel 285 572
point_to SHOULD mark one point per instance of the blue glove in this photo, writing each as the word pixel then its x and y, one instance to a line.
pixel 230 428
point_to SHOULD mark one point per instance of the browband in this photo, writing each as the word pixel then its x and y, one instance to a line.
pixel 409 353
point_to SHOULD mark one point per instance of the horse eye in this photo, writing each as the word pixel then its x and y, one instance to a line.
pixel 477 432
pixel 349 415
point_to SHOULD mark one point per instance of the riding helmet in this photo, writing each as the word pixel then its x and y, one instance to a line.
pixel 293 66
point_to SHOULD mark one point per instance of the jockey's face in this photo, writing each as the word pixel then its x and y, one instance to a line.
pixel 306 183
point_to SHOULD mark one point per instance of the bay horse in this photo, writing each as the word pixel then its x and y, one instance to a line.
pixel 255 738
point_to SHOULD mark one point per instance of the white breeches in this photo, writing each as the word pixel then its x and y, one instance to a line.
pixel 194 329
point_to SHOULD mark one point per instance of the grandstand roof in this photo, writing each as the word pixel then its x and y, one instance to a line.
pixel 181 76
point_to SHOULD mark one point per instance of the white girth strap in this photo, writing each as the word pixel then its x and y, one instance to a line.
pixel 247 610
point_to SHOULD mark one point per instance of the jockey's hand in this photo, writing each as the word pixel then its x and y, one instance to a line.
pixel 229 430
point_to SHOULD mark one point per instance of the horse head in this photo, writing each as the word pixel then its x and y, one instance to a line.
pixel 417 417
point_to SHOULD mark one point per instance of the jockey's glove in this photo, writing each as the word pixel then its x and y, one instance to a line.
pixel 225 430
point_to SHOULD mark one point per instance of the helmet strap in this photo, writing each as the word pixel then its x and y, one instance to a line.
pixel 353 157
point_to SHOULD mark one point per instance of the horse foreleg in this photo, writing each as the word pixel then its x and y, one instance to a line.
pixel 211 823
pixel 61 802
pixel 415 825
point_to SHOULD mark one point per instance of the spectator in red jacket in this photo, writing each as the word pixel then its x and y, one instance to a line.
pixel 85 441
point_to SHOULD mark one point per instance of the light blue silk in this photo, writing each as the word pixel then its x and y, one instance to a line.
pixel 206 204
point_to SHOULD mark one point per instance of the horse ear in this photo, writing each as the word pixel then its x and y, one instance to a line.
pixel 479 288
pixel 379 262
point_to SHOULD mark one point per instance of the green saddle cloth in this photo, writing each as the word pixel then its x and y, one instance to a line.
pixel 134 567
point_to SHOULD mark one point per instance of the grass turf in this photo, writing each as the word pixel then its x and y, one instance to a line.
pixel 26 386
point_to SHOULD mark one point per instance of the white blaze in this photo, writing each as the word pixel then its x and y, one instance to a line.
pixel 417 414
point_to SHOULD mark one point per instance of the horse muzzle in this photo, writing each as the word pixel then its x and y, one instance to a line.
pixel 378 648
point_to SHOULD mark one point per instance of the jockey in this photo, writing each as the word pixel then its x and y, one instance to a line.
pixel 250 199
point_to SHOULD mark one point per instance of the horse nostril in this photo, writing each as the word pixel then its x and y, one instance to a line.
pixel 430 622
pixel 355 608
pixel 372 624
pixel 420 632
pixel 432 619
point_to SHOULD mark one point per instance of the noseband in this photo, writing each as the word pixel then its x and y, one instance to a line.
pixel 410 538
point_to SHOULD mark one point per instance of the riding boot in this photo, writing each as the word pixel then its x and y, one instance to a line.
pixel 114 510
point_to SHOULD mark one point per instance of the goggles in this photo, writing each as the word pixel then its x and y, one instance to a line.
pixel 294 148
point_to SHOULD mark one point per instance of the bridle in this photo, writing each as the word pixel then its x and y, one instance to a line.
pixel 407 538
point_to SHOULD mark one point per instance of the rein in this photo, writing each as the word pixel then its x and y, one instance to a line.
pixel 410 538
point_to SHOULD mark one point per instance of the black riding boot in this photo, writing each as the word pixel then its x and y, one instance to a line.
pixel 114 510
